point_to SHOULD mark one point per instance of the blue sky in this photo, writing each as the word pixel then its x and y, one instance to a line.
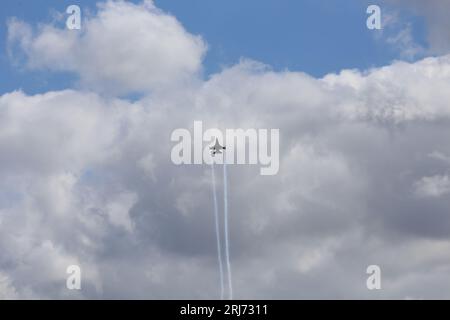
pixel 316 37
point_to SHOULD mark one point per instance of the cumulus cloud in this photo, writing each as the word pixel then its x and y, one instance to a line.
pixel 123 48
pixel 88 180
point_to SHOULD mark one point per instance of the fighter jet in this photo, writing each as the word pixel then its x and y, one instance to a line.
pixel 216 148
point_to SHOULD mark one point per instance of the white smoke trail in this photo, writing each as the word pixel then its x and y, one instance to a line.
pixel 225 204
pixel 219 245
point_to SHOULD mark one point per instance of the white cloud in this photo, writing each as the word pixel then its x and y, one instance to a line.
pixel 437 22
pixel 7 291
pixel 405 43
pixel 124 48
pixel 440 156
pixel 118 210
pixel 434 186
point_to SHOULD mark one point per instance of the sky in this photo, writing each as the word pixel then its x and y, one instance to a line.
pixel 277 33
pixel 86 119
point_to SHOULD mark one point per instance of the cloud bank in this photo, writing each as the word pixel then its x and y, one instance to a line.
pixel 87 177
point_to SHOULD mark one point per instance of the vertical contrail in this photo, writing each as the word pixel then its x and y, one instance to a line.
pixel 225 205
pixel 216 217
